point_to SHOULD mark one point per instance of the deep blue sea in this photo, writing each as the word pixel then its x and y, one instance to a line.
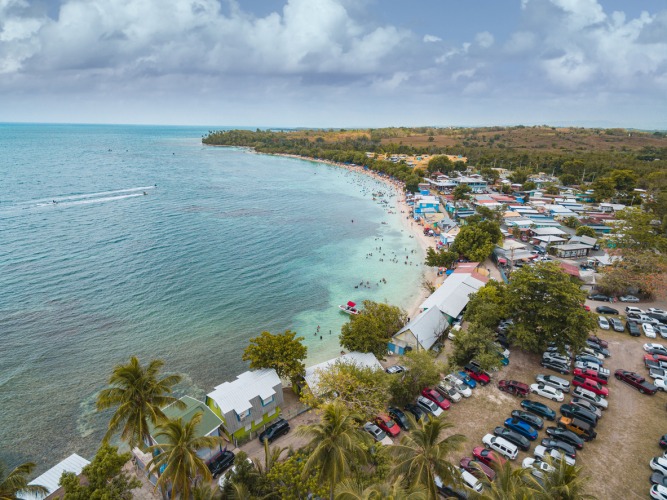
pixel 224 244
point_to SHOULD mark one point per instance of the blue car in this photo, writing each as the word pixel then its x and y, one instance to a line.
pixel 521 427
pixel 538 409
pixel 465 378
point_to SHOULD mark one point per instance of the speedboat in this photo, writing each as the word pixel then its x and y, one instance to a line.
pixel 349 308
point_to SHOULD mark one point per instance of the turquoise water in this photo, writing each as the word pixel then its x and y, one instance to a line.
pixel 225 244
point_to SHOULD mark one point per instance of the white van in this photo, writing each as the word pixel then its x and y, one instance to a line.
pixel 471 481
pixel 502 446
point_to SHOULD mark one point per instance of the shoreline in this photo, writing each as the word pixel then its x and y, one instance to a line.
pixel 429 274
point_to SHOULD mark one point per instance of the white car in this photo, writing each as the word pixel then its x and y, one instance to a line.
pixel 539 468
pixel 628 298
pixel 655 347
pixel 659 464
pixel 603 323
pixel 471 481
pixel 661 384
pixel 449 392
pixel 658 492
pixel 457 384
pixel 648 330
pixel 453 331
pixel 599 401
pixel 587 365
pixel 662 330
pixel 547 391
pixel 657 373
pixel 656 310
pixel 557 382
pixel 429 406
pixel 541 452
pixel 591 352
pixel 633 309
pixel 222 482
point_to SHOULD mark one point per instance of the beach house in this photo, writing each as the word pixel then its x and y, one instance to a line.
pixel 51 478
pixel 247 404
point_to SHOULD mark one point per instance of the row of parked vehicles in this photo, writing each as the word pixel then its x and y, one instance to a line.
pixel 659 476
pixel 652 322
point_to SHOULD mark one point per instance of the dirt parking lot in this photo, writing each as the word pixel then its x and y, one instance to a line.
pixel 628 432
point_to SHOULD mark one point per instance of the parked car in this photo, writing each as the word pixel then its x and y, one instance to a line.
pixel 386 423
pixel 616 324
pixel 278 428
pixel 416 411
pixel 648 330
pixel 399 417
pixel 589 358
pixel 220 463
pixel 559 445
pixel 591 385
pixel 513 387
pixel 579 427
pixel 566 436
pixel 628 298
pixel 436 397
pixel 547 391
pixel 532 420
pixel 377 433
pixel 542 452
pixel 561 368
pixel 661 317
pixel 656 310
pixel 488 457
pixel 461 387
pixel 538 409
pixel 606 310
pixel 449 392
pixel 598 341
pixel 651 347
pixel 657 373
pixel 655 361
pixel 658 492
pixel 595 366
pixel 633 328
pixel 603 323
pixel 429 406
pixel 579 413
pixel 635 380
pixel 662 330
pixel 470 481
pixel 500 445
pixel 591 374
pixel 556 357
pixel 643 318
pixel 513 437
pixel 395 369
pixel 658 478
pixel 633 310
pixel 660 384
pixel 592 352
pixel 477 374
pixel 659 464
pixel 597 350
pixel 663 442
pixel 599 401
pixel 587 405
pixel 477 468
pixel 599 296
pixel 557 382
pixel 521 427
pixel 465 378
pixel 537 466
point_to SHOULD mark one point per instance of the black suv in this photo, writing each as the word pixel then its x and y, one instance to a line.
pixel 223 461
pixel 274 431
pixel 633 328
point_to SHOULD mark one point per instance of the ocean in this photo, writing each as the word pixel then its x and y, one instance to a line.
pixel 160 247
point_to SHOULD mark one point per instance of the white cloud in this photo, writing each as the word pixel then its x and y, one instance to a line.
pixel 484 39
pixel 431 39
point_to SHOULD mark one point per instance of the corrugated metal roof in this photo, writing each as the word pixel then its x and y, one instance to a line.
pixel 209 420
pixel 50 479
pixel 358 358
pixel 236 395
pixel 426 327
pixel 453 295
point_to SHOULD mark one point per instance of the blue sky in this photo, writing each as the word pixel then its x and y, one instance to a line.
pixel 335 63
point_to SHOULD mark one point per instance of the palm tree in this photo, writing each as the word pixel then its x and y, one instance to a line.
pixel 422 455
pixel 271 456
pixel 336 443
pixel 178 455
pixel 138 396
pixel 565 482
pixel 352 490
pixel 508 483
pixel 204 491
pixel 17 482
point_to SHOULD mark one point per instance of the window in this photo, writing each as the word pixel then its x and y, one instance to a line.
pixel 267 401
pixel 242 415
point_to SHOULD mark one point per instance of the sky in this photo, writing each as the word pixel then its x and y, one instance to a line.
pixel 335 63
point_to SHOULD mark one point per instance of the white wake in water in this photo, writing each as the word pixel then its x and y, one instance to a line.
pixel 85 195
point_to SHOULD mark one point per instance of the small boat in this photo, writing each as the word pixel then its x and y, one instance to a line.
pixel 349 308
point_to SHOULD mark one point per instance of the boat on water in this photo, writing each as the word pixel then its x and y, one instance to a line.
pixel 349 308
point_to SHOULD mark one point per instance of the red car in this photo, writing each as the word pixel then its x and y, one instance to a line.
pixel 599 341
pixel 588 308
pixel 656 357
pixel 636 381
pixel 477 468
pixel 488 457
pixel 385 423
pixel 477 374
pixel 592 374
pixel 591 385
pixel 437 398
pixel 514 387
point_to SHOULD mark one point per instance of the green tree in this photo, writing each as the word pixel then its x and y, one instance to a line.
pixel 551 189
pixel 440 258
pixel 370 330
pixel 519 176
pixel 178 455
pixel 509 483
pixel 586 231
pixel 643 272
pixel 105 478
pixel 284 352
pixel 603 189
pixel 477 241
pixel 441 164
pixel 488 306
pixel 568 179
pixel 361 389
pixel 336 444
pixel 206 491
pixel 571 222
pixel 248 475
pixel 565 482
pixel 461 192
pixel 490 175
pixel 17 482
pixel 350 489
pixel 286 480
pixel 636 230
pixel 424 454
pixel 476 342
pixel 546 306
pixel 488 214
pixel 529 186
pixel 422 370
pixel 624 180
pixel 138 394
